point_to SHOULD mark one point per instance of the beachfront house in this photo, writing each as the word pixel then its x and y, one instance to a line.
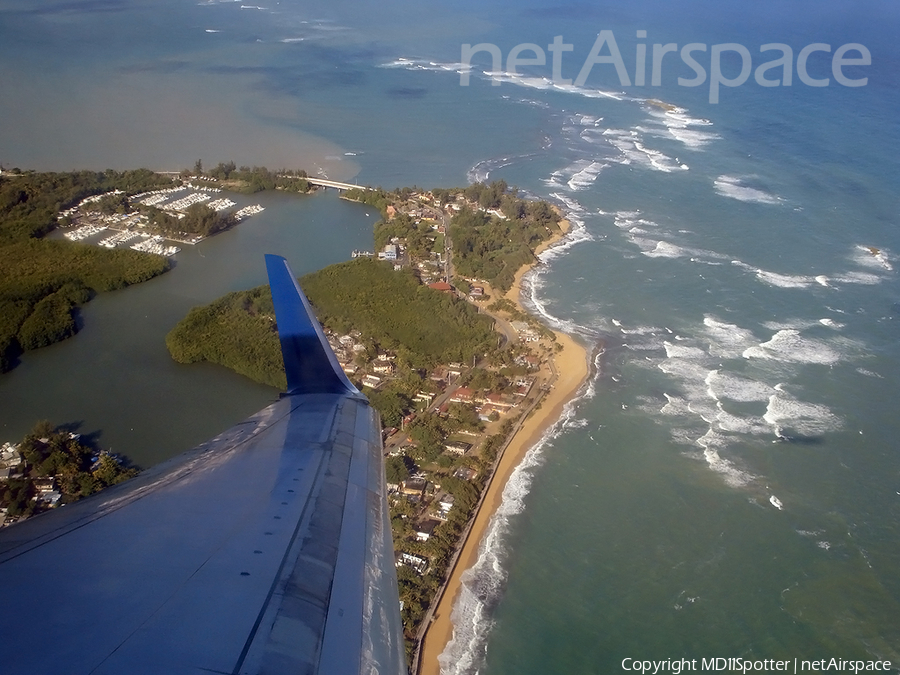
pixel 413 487
pixel 525 332
pixel 418 563
pixel 458 447
pixel 425 529
pixel 445 503
pixel 465 473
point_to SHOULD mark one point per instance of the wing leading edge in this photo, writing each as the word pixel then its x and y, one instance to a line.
pixel 309 362
pixel 265 550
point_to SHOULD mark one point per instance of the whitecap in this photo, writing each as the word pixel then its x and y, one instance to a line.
pixel 872 256
pixel 684 352
pixel 862 278
pixel 678 125
pixel 582 174
pixel 660 249
pixel 726 421
pixel 727 339
pixel 676 406
pixel 736 388
pixel 483 169
pixel 790 346
pixel 790 324
pixel 733 187
pixel 785 412
pixel 785 280
pixel 640 330
pixel 633 151
pixel 711 442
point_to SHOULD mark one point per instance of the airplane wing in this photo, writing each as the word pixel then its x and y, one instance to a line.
pixel 265 550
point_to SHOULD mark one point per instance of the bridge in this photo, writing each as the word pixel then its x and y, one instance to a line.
pixel 322 182
pixel 337 185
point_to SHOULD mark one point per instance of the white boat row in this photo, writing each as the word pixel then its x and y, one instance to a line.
pixel 149 244
pixel 122 237
pixel 122 219
pixel 153 200
pixel 162 191
pixel 189 200
pixel 221 204
pixel 84 232
pixel 203 188
pixel 155 245
pixel 248 211
pixel 96 198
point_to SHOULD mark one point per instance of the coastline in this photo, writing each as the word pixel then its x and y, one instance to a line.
pixel 571 368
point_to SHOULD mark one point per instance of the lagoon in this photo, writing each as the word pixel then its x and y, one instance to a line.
pixel 115 378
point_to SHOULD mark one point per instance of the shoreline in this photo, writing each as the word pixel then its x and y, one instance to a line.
pixel 571 368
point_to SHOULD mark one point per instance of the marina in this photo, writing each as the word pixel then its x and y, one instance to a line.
pixel 85 222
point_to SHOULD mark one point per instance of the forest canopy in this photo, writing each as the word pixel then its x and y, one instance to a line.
pixel 488 247
pixel 391 308
pixel 237 331
pixel 395 310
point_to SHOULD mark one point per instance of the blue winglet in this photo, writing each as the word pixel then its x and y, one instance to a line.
pixel 309 362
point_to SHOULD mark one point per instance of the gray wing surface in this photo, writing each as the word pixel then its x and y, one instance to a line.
pixel 265 550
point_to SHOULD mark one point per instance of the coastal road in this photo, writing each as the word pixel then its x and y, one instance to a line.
pixel 507 332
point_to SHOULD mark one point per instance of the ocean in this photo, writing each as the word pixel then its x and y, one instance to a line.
pixel 728 485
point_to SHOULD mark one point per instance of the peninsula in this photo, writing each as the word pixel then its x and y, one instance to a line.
pixel 430 326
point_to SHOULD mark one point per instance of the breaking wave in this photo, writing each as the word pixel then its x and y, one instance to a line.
pixel 734 188
pixel 481 586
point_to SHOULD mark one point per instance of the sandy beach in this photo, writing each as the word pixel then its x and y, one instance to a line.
pixel 572 368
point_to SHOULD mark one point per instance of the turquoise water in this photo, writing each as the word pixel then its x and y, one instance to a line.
pixel 728 485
